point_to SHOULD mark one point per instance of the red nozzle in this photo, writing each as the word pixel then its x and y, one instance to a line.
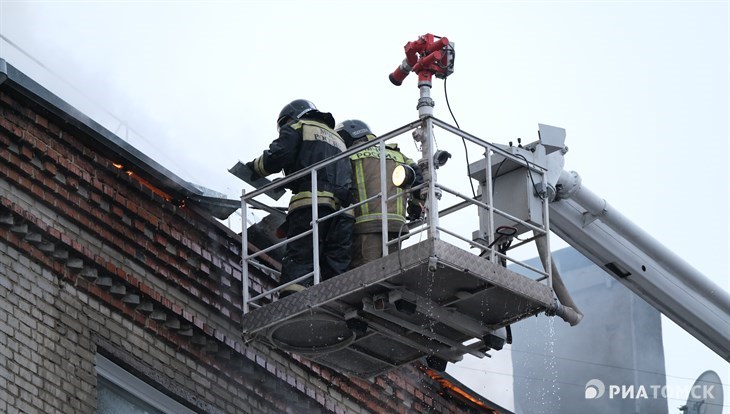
pixel 400 73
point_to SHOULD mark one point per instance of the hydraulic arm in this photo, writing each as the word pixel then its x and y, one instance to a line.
pixel 640 262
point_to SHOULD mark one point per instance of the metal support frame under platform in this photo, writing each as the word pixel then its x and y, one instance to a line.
pixel 432 298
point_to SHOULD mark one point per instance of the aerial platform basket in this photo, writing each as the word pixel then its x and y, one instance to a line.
pixel 434 297
pixel 441 297
pixel 431 299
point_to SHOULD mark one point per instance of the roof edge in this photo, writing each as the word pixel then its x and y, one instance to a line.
pixel 12 78
pixel 461 391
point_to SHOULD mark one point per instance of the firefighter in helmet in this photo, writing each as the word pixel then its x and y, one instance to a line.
pixel 306 137
pixel 367 245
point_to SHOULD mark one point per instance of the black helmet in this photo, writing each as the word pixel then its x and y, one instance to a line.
pixel 294 110
pixel 298 108
pixel 352 130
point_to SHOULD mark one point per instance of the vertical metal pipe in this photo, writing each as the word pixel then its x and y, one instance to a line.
pixel 546 226
pixel 315 228
pixel 383 200
pixel 490 202
pixel 425 103
pixel 425 112
pixel 431 200
pixel 244 254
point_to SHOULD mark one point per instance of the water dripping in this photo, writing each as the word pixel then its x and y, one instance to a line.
pixel 550 398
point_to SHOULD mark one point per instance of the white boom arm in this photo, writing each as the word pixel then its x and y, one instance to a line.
pixel 640 262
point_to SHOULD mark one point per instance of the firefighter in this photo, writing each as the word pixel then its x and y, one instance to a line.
pixel 367 244
pixel 306 136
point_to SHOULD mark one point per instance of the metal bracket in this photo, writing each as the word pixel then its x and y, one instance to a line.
pixel 417 135
pixel 433 263
pixel 588 218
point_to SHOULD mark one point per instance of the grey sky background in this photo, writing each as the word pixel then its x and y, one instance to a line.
pixel 641 87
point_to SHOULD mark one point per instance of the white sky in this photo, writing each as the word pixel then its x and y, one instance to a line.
pixel 641 88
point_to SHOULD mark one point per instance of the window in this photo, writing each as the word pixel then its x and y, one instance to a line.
pixel 119 392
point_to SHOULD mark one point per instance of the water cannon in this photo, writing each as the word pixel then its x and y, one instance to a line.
pixel 429 55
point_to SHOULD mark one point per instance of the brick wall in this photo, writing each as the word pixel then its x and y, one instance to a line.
pixel 97 256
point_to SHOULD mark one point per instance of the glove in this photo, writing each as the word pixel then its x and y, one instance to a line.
pixel 282 230
pixel 414 210
pixel 280 233
pixel 254 175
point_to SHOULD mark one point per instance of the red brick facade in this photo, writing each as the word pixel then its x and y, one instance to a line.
pixel 97 255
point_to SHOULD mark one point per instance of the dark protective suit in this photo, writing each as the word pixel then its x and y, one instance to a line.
pixel 301 144
pixel 367 244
